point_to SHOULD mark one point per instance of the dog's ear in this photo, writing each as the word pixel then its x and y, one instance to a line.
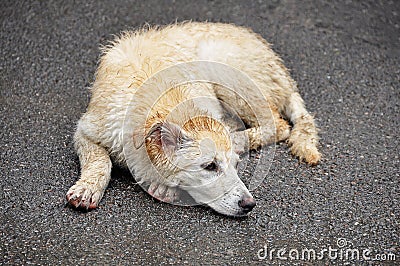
pixel 169 136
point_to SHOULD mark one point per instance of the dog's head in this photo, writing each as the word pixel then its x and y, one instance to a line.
pixel 198 157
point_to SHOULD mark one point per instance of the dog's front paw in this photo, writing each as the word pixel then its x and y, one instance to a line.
pixel 84 195
pixel 163 193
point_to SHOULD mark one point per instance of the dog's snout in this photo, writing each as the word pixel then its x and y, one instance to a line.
pixel 247 204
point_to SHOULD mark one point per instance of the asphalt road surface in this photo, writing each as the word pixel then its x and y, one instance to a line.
pixel 345 57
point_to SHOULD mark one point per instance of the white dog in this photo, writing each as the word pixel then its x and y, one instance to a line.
pixel 160 105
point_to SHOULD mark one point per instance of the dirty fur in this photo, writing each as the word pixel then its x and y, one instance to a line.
pixel 168 142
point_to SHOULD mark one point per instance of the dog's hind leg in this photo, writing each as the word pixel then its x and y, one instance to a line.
pixel 303 138
pixel 95 173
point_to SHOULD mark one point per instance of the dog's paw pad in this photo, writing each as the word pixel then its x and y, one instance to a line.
pixel 83 196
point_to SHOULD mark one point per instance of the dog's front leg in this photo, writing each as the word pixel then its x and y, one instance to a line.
pixel 264 135
pixel 163 193
pixel 256 137
pixel 95 173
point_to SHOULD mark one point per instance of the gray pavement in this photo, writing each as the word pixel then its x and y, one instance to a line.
pixel 345 56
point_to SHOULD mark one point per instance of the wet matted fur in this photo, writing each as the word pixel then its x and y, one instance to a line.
pixel 180 141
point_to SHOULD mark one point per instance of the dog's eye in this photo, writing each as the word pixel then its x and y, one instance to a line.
pixel 210 166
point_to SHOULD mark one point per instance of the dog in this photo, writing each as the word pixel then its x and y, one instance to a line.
pixel 177 135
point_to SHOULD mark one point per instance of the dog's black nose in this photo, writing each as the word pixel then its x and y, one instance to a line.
pixel 247 204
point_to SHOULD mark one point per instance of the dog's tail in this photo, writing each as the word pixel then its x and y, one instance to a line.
pixel 303 138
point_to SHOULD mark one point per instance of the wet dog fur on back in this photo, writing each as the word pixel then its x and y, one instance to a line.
pixel 176 136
